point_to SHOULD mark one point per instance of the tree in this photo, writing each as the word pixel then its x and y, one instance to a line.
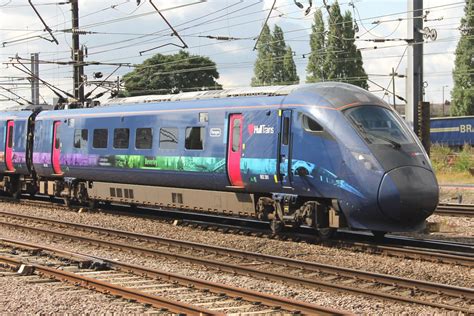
pixel 352 60
pixel 278 46
pixel 290 75
pixel 263 69
pixel 275 64
pixel 163 74
pixel 333 67
pixel 463 91
pixel 317 43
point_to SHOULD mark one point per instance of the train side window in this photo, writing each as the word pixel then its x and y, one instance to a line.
pixel 121 138
pixel 80 138
pixel 143 138
pixel 236 135
pixel 10 137
pixel 195 138
pixel 311 125
pixel 286 131
pixel 169 138
pixel 100 138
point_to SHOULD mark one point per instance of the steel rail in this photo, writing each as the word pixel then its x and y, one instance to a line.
pixel 381 247
pixel 254 296
pixel 459 292
pixel 412 252
pixel 104 287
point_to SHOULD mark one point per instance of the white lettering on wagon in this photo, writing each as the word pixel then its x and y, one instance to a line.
pixel 467 128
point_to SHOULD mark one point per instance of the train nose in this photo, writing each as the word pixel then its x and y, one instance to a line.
pixel 408 194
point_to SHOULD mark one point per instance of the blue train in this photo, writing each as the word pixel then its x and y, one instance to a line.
pixel 452 131
pixel 324 155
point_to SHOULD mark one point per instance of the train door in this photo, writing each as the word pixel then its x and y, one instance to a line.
pixel 234 150
pixel 56 150
pixel 9 146
pixel 284 152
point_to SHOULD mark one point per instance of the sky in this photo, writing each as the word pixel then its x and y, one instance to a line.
pixel 116 31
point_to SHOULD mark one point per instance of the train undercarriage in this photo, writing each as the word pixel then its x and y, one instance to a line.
pixel 279 210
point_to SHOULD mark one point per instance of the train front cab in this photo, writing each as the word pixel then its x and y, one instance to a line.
pixel 406 189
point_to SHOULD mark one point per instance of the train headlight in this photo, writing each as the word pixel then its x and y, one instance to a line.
pixel 367 160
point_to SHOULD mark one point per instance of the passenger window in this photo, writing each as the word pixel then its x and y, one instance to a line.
pixel 143 138
pixel 121 138
pixel 169 138
pixel 80 138
pixel 311 125
pixel 236 135
pixel 195 138
pixel 100 138
pixel 286 131
pixel 10 137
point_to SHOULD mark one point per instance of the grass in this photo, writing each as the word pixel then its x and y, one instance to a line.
pixel 453 166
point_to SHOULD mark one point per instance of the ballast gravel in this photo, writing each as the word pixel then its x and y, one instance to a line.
pixel 435 272
pixel 351 303
pixel 19 296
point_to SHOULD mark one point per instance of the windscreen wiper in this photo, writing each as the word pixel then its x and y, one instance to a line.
pixel 395 144
pixel 366 135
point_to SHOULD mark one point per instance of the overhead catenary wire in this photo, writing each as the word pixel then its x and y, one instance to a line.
pixel 290 40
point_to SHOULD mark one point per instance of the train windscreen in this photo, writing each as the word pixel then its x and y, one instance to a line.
pixel 379 125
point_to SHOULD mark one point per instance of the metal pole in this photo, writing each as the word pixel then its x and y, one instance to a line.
pixel 443 100
pixel 393 84
pixel 77 55
pixel 415 62
pixel 34 78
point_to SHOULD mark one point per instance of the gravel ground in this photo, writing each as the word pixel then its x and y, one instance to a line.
pixel 452 228
pixel 448 274
pixel 354 304
pixel 18 296
pixel 454 194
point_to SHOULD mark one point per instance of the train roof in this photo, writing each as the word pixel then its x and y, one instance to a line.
pixel 206 94
pixel 335 94
pixel 330 95
pixel 14 115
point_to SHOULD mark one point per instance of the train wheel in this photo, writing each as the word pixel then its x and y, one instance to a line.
pixel 276 226
pixel 378 234
pixel 92 204
pixel 326 233
pixel 67 201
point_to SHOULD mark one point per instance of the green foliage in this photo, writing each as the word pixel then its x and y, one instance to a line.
pixel 463 91
pixel 263 69
pixel 333 67
pixel 335 56
pixel 465 160
pixel 163 74
pixel 353 64
pixel 278 53
pixel 439 157
pixel 290 75
pixel 317 43
pixel 274 64
pixel 445 160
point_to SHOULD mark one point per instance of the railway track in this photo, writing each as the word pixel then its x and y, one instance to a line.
pixel 391 245
pixel 451 209
pixel 163 290
pixel 289 271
